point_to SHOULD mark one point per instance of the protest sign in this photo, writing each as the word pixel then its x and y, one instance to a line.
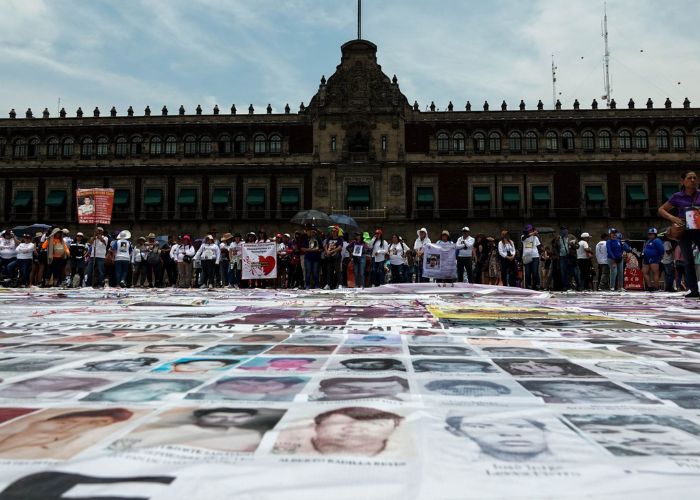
pixel 259 261
pixel 95 205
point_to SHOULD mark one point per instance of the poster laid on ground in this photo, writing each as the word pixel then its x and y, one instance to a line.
pixel 439 261
pixel 95 205
pixel 259 261
pixel 308 395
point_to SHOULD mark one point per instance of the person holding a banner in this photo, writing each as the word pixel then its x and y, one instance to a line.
pixel 358 249
pixel 418 245
pixel 686 203
pixel 98 253
pixel 311 250
pixel 8 254
pixel 397 259
pixel 209 255
pixel 332 247
pixel 183 253
pixel 57 253
pixel 121 249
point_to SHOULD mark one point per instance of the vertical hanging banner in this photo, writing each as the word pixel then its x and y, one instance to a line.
pixel 634 279
pixel 259 261
pixel 95 205
pixel 439 261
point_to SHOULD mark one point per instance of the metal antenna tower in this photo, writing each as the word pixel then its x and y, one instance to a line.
pixel 606 59
pixel 554 83
pixel 359 19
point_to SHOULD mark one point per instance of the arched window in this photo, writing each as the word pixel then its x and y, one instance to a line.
pixel 224 144
pixel 458 142
pixel 495 142
pixel 102 146
pixel 641 140
pixel 604 140
pixel 170 145
pixel 155 146
pixel 515 142
pixel 443 142
pixel 239 145
pixel 260 143
pixel 679 140
pixel 190 145
pixel 33 147
pixel 87 148
pixel 696 140
pixel 67 151
pixel 205 145
pixel 121 147
pixel 136 146
pixel 275 144
pixel 531 142
pixel 52 147
pixel 551 142
pixel 19 148
pixel 588 141
pixel 479 142
pixel 625 140
pixel 662 140
pixel 567 141
pixel 3 147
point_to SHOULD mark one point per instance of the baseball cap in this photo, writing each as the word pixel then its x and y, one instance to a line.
pixel 585 235
pixel 652 230
pixel 465 228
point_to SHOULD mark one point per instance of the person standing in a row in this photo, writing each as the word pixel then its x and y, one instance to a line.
pixel 465 252
pixel 209 254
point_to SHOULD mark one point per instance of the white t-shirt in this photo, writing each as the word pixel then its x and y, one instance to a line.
pixel 601 253
pixel 236 250
pixel 581 250
pixel 178 252
pixel 122 250
pixel 379 249
pixel 209 251
pixel 465 246
pixel 530 250
pixel 223 251
pixel 344 252
pixel 99 249
pixel 418 245
pixel 396 254
pixel 7 248
pixel 25 251
pixel 668 253
pixel 505 248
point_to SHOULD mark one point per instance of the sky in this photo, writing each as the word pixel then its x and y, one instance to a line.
pixel 170 52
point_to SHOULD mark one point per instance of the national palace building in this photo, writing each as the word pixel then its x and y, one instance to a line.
pixel 359 147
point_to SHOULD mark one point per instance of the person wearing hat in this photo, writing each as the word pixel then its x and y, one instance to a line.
pixel 379 249
pixel 583 259
pixel 507 253
pixel 182 253
pixel 296 272
pixel 601 256
pixel 564 254
pixel 531 256
pixel 8 254
pixel 152 259
pixel 652 254
pixel 209 255
pixel 421 240
pixel 122 249
pixel 78 253
pixel 25 257
pixel 225 273
pixel 465 253
pixel 616 250
pixel 358 251
pixel 57 254
pixel 98 253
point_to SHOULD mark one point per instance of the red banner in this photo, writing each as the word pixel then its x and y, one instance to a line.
pixel 95 205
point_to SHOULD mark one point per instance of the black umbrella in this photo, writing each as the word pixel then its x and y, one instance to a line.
pixel 345 221
pixel 311 217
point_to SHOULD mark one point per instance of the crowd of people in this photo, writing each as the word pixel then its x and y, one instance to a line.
pixel 328 258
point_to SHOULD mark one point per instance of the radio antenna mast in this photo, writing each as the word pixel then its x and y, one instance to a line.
pixel 359 19
pixel 606 59
pixel 554 83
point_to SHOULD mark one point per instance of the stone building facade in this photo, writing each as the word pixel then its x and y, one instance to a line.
pixel 358 148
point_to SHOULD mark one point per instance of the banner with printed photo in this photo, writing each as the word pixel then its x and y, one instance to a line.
pixel 95 205
pixel 439 261
pixel 259 261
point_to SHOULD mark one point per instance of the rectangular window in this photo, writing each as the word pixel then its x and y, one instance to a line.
pixel 289 201
pixel 121 149
pixel 481 196
pixel 425 198
pixel 385 144
pixel 667 190
pixel 153 203
pixel 187 202
pixel 23 202
pixel 358 197
pixel 595 201
pixel 221 202
pixel 511 201
pixel 334 144
pixel 636 199
pixel 51 150
pixel 255 201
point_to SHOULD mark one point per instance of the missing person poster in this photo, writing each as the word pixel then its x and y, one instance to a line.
pixel 439 261
pixel 95 205
pixel 259 261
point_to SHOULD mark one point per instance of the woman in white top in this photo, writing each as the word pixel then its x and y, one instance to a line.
pixel 397 259
pixel 380 248
pixel 235 250
pixel 8 253
pixel 506 251
pixel 25 256
pixel 531 257
pixel 209 255
pixel 183 253
pixel 418 245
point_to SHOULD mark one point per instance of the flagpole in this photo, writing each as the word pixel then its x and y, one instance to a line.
pixel 359 19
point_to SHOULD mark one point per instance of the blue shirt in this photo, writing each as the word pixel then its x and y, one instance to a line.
pixel 653 249
pixel 614 249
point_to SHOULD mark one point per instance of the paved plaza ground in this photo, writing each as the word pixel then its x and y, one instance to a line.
pixel 402 392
